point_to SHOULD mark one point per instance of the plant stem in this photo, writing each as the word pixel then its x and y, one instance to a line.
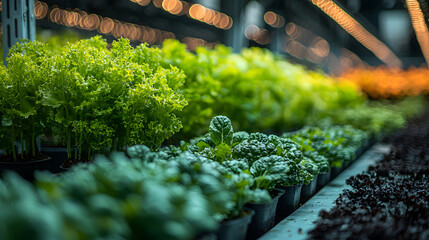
pixel 68 135
pixel 114 144
pixel 80 147
pixel 22 144
pixel 121 142
pixel 127 136
pixel 13 143
pixel 33 138
pixel 33 144
pixel 76 141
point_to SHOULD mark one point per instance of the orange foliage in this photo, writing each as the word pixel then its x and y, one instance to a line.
pixel 390 83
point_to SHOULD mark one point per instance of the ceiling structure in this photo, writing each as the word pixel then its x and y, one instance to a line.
pixel 308 32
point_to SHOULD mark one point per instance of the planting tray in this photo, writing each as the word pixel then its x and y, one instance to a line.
pixel 296 225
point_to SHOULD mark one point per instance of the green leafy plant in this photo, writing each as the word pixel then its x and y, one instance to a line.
pixel 22 114
pixel 267 159
pixel 106 99
pixel 243 194
pixel 375 119
pixel 329 146
pixel 309 169
pixel 26 214
pixel 257 90
pixel 141 197
pixel 320 141
pixel 269 171
pixel 94 98
pixel 197 170
pixel 318 159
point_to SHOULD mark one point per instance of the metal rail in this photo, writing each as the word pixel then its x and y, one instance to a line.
pixel 18 23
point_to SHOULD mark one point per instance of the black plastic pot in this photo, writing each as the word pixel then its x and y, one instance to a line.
pixel 343 166
pixel 264 217
pixel 360 150
pixel 335 171
pixel 26 169
pixel 308 190
pixel 323 179
pixel 235 229
pixel 289 202
pixel 58 155
pixel 347 164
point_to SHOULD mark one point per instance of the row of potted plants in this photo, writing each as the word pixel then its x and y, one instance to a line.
pixel 99 100
pixel 217 184
pixel 297 163
pixel 93 98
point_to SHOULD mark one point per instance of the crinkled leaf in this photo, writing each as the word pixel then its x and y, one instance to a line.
pixel 236 166
pixel 268 171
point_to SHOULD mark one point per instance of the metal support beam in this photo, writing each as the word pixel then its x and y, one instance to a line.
pixel 234 37
pixel 278 34
pixel 18 23
pixel 277 42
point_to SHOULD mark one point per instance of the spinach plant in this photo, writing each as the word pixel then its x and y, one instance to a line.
pixel 267 159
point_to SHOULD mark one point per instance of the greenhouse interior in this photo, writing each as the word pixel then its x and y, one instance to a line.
pixel 214 119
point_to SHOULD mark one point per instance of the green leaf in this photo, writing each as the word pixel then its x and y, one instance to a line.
pixel 202 145
pixel 268 171
pixel 222 152
pixel 221 130
pixel 59 117
pixel 50 101
pixel 236 166
pixel 27 109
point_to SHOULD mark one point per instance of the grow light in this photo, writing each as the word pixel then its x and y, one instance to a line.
pixel 193 43
pixel 90 22
pixel 274 20
pixel 83 20
pixel 194 11
pixel 420 27
pixel 302 43
pixel 259 35
pixel 355 29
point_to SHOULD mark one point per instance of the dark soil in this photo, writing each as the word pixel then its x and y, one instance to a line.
pixel 391 200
